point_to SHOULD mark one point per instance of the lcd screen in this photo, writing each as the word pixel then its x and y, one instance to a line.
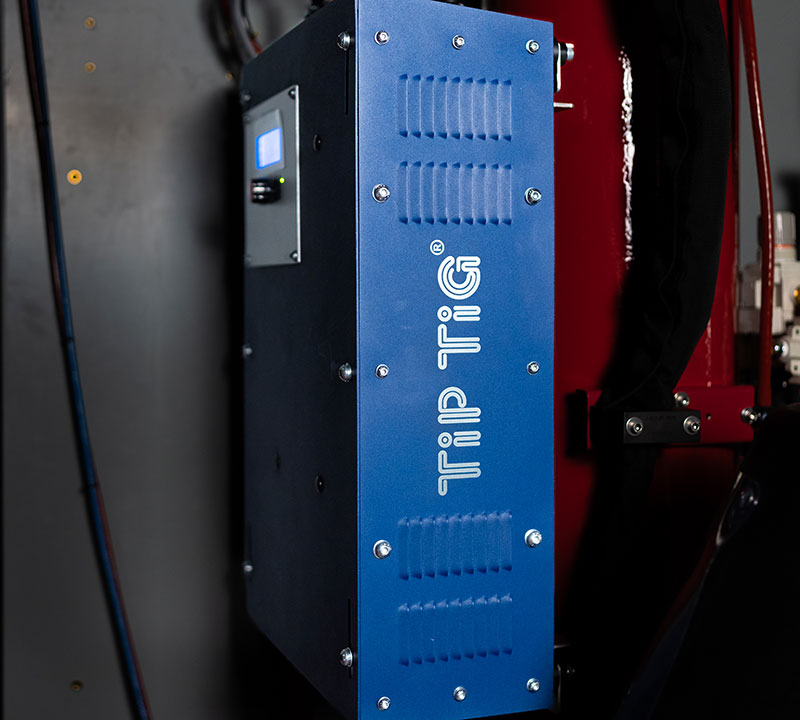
pixel 269 148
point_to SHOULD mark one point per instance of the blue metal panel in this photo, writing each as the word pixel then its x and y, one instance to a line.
pixel 455 297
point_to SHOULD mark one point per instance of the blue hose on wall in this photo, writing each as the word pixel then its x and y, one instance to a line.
pixel 34 58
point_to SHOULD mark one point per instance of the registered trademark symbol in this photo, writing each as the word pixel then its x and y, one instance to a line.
pixel 437 247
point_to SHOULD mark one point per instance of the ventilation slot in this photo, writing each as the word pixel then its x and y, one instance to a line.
pixel 454 193
pixel 454 545
pixel 463 629
pixel 459 108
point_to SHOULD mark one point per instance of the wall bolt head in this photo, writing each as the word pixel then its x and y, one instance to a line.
pixel 533 685
pixel 634 426
pixel 293 255
pixel 532 196
pixel 381 371
pixel 293 93
pixel 533 368
pixel 533 538
pixel 247 567
pixel 344 40
pixel 459 42
pixel 247 351
pixel 384 703
pixel 381 37
pixel 682 400
pixel 382 549
pixel 381 193
pixel 459 694
pixel 691 425
pixel 346 657
pixel 346 372
pixel 532 47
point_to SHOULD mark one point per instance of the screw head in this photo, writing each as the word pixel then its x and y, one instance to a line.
pixel 293 255
pixel 459 42
pixel 751 416
pixel 533 368
pixel 459 694
pixel 382 549
pixel 293 93
pixel 533 685
pixel 682 400
pixel 247 567
pixel 346 657
pixel 247 351
pixel 381 37
pixel 346 372
pixel 383 703
pixel 634 426
pixel 344 40
pixel 381 193
pixel 533 538
pixel 691 425
pixel 532 196
pixel 244 97
pixel 381 371
pixel 532 47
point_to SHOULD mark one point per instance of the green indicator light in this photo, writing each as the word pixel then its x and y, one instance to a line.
pixel 281 180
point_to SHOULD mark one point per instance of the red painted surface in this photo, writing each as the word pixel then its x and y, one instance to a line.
pixel 590 265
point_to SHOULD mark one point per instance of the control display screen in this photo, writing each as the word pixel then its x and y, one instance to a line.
pixel 269 148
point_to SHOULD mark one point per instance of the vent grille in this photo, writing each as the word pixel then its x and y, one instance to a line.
pixel 454 545
pixel 454 193
pixel 459 108
pixel 455 630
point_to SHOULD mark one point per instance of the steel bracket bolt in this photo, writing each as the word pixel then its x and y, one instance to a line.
pixel 634 426
pixel 346 657
pixel 682 400
pixel 247 567
pixel 381 371
pixel 381 193
pixel 533 685
pixel 459 694
pixel 459 42
pixel 532 196
pixel 532 47
pixel 346 372
pixel 344 40
pixel 691 425
pixel 533 368
pixel 382 549
pixel 383 703
pixel 533 538
pixel 381 37
pixel 751 416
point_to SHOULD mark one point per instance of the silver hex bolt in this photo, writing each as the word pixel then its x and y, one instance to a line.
pixel 682 400
pixel 381 371
pixel 381 193
pixel 381 37
pixel 459 42
pixel 532 47
pixel 533 538
pixel 533 685
pixel 459 694
pixel 383 703
pixel 346 372
pixel 382 549
pixel 691 425
pixel 346 657
pixel 532 196
pixel 344 40
pixel 533 368
pixel 634 426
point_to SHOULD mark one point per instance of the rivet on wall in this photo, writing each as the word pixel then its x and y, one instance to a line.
pixel 89 23
pixel 74 177
pixel 90 67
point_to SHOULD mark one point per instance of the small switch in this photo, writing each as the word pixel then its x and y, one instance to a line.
pixel 266 190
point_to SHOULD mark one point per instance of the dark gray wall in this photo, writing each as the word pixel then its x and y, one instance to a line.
pixel 151 232
pixel 777 25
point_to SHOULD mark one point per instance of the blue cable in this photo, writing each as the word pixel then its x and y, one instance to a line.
pixel 99 528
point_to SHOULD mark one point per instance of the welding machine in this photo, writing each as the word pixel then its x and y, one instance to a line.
pixel 398 356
